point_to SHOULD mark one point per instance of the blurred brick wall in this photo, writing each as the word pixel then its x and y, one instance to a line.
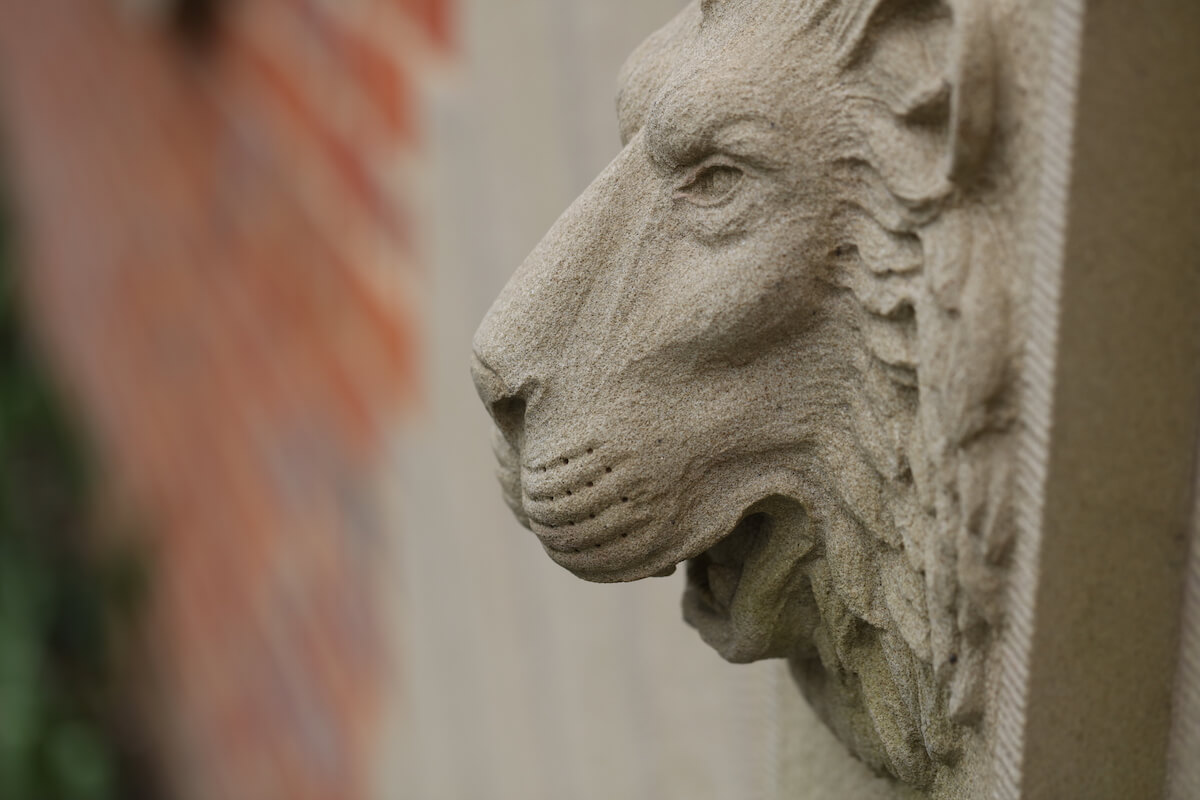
pixel 219 260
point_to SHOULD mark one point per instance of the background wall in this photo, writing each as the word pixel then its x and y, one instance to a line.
pixel 521 681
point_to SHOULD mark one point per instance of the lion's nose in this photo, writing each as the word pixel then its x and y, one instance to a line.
pixel 506 405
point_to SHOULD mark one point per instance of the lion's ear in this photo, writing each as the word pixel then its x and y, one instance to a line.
pixel 931 65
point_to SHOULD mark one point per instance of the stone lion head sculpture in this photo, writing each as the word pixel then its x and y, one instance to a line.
pixel 771 341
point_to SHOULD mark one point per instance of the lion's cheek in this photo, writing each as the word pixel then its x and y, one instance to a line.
pixel 725 305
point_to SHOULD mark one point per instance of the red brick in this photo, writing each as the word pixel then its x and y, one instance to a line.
pixel 189 274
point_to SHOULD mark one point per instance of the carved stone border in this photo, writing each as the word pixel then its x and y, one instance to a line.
pixel 1037 406
pixel 1111 403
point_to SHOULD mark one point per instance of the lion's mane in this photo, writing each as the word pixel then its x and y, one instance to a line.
pixel 916 555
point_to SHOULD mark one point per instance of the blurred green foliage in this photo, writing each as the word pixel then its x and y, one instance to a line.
pixel 60 600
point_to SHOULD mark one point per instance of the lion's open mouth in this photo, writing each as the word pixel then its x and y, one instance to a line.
pixel 713 576
pixel 750 576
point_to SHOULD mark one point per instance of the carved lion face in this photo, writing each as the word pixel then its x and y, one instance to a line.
pixel 714 356
pixel 674 352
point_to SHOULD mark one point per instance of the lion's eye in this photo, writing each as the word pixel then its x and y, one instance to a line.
pixel 710 185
